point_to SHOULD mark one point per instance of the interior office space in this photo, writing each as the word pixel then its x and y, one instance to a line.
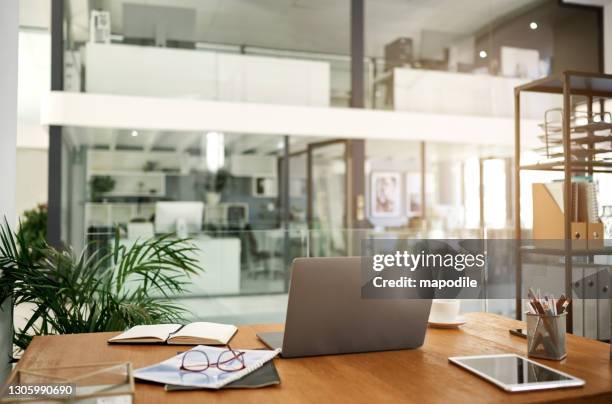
pixel 266 131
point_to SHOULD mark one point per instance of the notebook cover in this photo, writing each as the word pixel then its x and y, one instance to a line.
pixel 262 377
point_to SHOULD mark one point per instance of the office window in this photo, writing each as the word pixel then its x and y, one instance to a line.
pixel 471 186
pixel 221 189
pixel 495 193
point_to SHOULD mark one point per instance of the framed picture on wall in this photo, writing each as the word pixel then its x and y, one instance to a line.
pixel 413 195
pixel 385 194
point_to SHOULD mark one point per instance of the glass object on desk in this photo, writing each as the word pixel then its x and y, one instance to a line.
pixel 606 218
pixel 113 382
pixel 546 336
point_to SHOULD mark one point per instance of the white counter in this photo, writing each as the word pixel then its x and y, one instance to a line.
pixel 220 259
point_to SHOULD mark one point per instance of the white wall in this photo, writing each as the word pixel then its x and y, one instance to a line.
pixel 34 13
pixel 126 112
pixel 9 23
pixel 608 38
pixel 146 71
pixel 31 186
pixel 34 65
pixel 438 92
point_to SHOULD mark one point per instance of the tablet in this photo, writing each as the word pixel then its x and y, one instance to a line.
pixel 515 373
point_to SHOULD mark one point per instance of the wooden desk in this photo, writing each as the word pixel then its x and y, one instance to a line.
pixel 419 375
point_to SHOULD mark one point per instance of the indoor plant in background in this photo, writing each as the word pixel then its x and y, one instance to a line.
pixel 216 185
pixel 213 183
pixel 33 228
pixel 101 184
pixel 73 293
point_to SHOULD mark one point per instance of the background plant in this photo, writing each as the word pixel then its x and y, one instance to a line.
pixel 206 181
pixel 100 184
pixel 216 182
pixel 73 293
pixel 33 228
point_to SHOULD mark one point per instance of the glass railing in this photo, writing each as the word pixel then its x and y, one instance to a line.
pixel 257 262
pixel 245 273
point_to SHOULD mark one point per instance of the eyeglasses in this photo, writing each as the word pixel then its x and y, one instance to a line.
pixel 198 361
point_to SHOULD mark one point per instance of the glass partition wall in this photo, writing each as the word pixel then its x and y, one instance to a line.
pixel 248 210
pixel 255 51
pixel 236 51
pixel 138 183
pixel 226 191
pixel 421 57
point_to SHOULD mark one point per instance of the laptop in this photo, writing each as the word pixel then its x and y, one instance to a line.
pixel 326 314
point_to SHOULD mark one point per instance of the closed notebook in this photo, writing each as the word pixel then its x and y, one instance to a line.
pixel 169 372
pixel 263 377
pixel 199 333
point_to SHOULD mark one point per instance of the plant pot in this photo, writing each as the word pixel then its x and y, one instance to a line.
pixel 213 198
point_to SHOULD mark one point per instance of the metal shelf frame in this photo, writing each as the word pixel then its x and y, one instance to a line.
pixel 566 84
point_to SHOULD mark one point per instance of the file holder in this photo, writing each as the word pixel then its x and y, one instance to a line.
pixel 548 216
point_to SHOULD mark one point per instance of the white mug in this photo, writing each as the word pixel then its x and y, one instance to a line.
pixel 444 311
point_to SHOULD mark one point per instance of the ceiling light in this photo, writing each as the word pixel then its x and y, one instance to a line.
pixel 482 54
pixel 134 133
pixel 533 25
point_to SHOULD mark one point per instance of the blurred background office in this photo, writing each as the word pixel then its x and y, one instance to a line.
pixel 272 129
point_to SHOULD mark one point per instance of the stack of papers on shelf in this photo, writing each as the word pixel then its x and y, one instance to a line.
pixel 592 206
pixel 169 371
pixel 584 200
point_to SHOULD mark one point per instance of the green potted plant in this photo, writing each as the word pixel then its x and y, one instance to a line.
pixel 76 293
pixel 101 184
pixel 33 228
pixel 215 184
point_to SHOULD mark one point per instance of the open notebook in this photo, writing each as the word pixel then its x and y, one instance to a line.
pixel 199 333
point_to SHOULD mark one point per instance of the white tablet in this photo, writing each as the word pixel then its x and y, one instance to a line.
pixel 515 373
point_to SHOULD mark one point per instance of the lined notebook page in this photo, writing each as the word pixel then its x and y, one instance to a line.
pixel 157 331
pixel 213 331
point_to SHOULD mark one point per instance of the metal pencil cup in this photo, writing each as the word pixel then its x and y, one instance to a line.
pixel 546 336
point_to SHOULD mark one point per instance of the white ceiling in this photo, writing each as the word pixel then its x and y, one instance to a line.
pixel 147 140
pixel 317 25
pixel 377 150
